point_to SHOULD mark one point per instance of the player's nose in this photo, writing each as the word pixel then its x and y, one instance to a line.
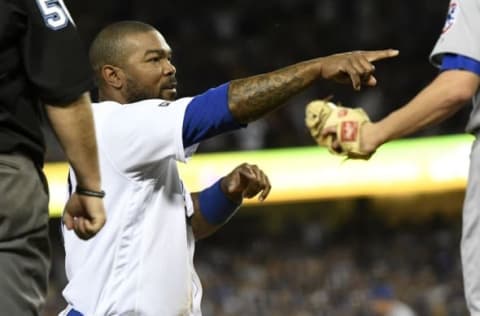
pixel 168 68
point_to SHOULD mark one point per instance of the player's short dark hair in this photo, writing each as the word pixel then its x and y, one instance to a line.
pixel 108 48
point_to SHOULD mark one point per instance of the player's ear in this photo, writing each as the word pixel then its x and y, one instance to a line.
pixel 113 76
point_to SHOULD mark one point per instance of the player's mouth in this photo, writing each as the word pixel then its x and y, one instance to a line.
pixel 170 86
pixel 169 91
pixel 170 83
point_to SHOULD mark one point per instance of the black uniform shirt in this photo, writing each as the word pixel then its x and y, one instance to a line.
pixel 42 60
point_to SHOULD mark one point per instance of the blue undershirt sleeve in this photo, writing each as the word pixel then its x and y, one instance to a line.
pixel 454 61
pixel 208 115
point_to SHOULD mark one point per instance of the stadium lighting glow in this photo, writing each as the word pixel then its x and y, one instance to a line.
pixel 403 167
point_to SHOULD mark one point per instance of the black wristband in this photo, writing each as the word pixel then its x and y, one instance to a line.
pixel 83 191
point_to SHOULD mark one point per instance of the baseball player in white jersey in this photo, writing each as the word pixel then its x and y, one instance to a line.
pixel 141 263
pixel 457 54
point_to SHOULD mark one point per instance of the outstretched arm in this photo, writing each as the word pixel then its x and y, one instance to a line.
pixel 230 106
pixel 253 97
pixel 74 128
pixel 214 206
pixel 442 98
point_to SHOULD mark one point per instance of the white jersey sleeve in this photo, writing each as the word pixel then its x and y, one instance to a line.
pixel 461 33
pixel 142 133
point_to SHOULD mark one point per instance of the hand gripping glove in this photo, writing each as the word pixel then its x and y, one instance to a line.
pixel 320 114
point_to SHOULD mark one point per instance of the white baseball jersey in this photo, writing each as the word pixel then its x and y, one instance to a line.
pixel 141 262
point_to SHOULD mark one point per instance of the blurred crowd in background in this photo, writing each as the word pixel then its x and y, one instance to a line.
pixel 301 268
pixel 299 262
pixel 216 41
pixel 300 274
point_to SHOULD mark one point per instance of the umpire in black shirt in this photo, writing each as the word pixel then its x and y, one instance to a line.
pixel 43 69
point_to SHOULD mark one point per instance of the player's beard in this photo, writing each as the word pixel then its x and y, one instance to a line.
pixel 135 92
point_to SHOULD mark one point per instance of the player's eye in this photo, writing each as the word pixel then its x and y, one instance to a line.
pixel 153 60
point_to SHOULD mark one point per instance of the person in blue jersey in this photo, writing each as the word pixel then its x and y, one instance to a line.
pixel 457 55
pixel 142 262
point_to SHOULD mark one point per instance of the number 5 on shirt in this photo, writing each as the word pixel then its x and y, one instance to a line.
pixel 55 14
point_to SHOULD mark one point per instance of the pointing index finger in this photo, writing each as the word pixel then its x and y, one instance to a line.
pixel 380 54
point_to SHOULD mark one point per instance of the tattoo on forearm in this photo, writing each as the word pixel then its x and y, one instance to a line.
pixel 252 97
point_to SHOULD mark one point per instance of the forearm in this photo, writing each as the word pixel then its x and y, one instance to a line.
pixel 74 127
pixel 213 207
pixel 253 97
pixel 438 101
pixel 426 109
pixel 201 228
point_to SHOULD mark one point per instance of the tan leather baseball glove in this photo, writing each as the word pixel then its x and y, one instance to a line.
pixel 320 114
